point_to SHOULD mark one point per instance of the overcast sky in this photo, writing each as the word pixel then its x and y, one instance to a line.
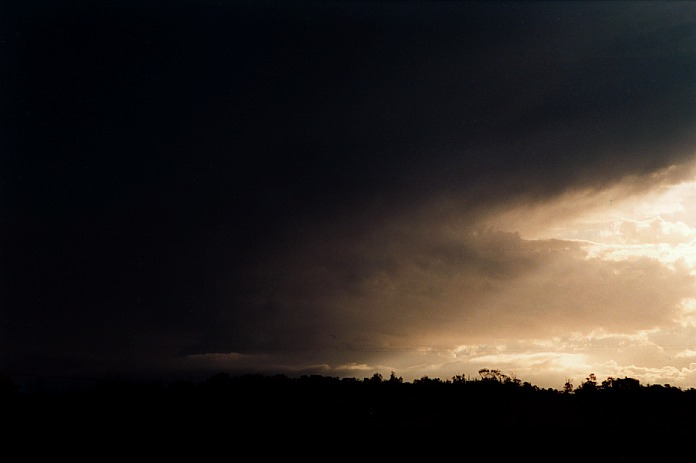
pixel 345 188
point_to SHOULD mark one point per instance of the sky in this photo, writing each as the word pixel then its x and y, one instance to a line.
pixel 347 188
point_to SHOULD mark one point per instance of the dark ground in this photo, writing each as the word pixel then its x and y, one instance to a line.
pixel 325 418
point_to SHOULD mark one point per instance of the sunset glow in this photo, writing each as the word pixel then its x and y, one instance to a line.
pixel 657 224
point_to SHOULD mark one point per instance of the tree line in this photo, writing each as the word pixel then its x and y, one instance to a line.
pixel 190 416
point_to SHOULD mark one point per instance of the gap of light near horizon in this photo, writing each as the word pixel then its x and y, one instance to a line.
pixel 658 226
pixel 597 281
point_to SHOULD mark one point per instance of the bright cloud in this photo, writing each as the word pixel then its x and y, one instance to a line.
pixel 648 236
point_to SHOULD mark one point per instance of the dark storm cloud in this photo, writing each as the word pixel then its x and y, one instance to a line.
pixel 170 167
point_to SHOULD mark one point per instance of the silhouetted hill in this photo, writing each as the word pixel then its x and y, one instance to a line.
pixel 278 415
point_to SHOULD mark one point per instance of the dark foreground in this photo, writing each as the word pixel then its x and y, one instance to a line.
pixel 315 417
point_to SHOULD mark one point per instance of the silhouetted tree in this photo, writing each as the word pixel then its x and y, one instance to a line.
pixel 492 375
pixel 625 385
pixel 513 380
pixel 589 385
